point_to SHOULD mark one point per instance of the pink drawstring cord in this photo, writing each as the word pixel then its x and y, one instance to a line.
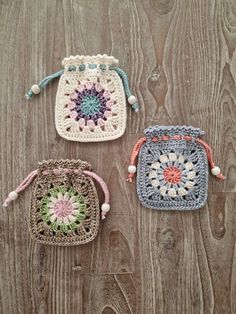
pixel 105 206
pixel 24 184
pixel 215 170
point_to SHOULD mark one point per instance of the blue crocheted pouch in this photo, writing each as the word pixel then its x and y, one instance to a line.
pixel 172 170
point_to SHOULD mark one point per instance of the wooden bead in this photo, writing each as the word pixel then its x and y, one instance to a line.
pixel 35 89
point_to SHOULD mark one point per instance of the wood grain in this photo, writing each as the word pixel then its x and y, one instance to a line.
pixel 181 61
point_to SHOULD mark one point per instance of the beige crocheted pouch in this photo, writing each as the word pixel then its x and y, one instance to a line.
pixel 64 206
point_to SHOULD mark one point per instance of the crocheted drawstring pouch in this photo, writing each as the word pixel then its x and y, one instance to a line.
pixel 172 170
pixel 91 98
pixel 64 205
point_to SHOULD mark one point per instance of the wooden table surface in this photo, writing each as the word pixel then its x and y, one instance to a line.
pixel 181 61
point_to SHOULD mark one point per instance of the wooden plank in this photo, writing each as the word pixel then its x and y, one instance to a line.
pixel 180 58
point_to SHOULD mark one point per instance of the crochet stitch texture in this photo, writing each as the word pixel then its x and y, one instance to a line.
pixel 172 174
pixel 90 101
pixel 64 206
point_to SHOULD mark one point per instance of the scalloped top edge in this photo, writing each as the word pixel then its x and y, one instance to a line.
pixel 79 59
pixel 63 163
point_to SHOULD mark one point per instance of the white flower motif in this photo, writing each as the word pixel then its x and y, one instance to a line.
pixel 172 175
pixel 63 208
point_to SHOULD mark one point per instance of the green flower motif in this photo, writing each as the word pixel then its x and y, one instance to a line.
pixel 63 209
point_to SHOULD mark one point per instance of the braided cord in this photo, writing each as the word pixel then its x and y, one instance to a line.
pixel 42 84
pixel 125 81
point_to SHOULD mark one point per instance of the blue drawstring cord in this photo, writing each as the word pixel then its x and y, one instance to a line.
pixel 43 83
pixel 35 89
pixel 131 99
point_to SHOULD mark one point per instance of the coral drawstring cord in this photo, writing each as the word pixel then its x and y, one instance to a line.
pixel 133 156
pixel 12 196
pixel 215 170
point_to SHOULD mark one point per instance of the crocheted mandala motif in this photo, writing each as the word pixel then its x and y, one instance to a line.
pixel 64 207
pixel 90 103
pixel 172 174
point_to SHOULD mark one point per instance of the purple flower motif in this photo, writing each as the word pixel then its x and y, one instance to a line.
pixel 90 103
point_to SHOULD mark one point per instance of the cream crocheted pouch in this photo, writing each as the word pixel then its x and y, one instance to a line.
pixel 64 205
pixel 91 98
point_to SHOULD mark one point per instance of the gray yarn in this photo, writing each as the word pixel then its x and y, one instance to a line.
pixel 194 152
pixel 171 130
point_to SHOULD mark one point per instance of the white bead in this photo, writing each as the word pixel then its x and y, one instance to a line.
pixel 13 195
pixel 131 169
pixel 35 89
pixel 105 207
pixel 132 100
pixel 215 171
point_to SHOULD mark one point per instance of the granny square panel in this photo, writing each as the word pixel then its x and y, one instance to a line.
pixel 172 174
pixel 91 98
pixel 172 168
pixel 64 204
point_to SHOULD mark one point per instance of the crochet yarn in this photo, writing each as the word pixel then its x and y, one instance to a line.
pixel 91 98
pixel 172 170
pixel 64 206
